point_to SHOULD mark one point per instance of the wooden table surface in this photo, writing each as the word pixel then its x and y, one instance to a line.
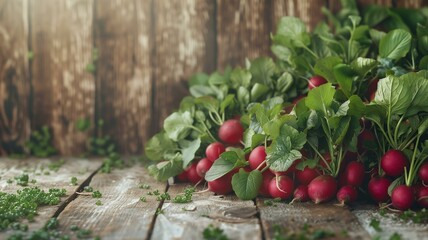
pixel 123 216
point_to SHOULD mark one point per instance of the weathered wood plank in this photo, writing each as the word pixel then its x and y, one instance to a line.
pixel 389 224
pixel 124 87
pixel 63 91
pixel 411 3
pixel 308 11
pixel 178 223
pixel 37 169
pixel 185 45
pixel 14 76
pixel 338 220
pixel 122 215
pixel 242 31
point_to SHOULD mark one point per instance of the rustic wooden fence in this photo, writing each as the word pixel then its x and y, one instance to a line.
pixel 147 49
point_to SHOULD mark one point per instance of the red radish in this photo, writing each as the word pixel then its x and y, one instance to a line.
pixel 354 173
pixel 402 197
pixel 393 163
pixel 221 185
pixel 316 81
pixel 231 132
pixel 182 177
pixel 347 194
pixel 264 188
pixel 297 99
pixel 301 194
pixel 257 156
pixel 371 91
pixel 378 189
pixel 192 174
pixel 214 150
pixel 322 188
pixel 423 172
pixel 281 187
pixel 307 175
pixel 203 166
pixel 421 195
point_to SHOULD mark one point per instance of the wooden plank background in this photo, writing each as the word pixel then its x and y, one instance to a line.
pixel 147 51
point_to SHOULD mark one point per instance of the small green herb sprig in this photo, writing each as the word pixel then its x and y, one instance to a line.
pixel 40 143
pixel 214 233
pixel 186 197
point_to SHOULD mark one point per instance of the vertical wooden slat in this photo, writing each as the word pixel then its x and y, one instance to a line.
pixel 63 91
pixel 122 32
pixel 411 3
pixel 14 75
pixel 184 46
pixel 308 11
pixel 387 3
pixel 242 31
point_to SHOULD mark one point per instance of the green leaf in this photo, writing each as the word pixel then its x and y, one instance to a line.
pixel 320 98
pixel 160 146
pixel 324 67
pixel 294 30
pixel 257 91
pixel 83 124
pixel 226 102
pixel 209 103
pixel 262 70
pixel 164 170
pixel 353 107
pixel 344 75
pixel 243 96
pixel 201 90
pixel 252 139
pixel 284 82
pixel 178 125
pixel 188 150
pixel 226 163
pixel 284 150
pixel 198 79
pixel 393 95
pixel 395 44
pixel 423 127
pixel 341 130
pixel 246 185
pixel 240 77
pixel 418 87
pixel 363 65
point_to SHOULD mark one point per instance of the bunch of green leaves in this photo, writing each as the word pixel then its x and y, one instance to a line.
pixel 40 143
pixel 24 204
pixel 214 99
pixel 332 125
pixel 214 233
pixel 399 112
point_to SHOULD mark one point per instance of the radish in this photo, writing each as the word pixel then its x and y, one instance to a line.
pixel 231 132
pixel 316 81
pixel 322 188
pixel 222 185
pixel 354 173
pixel 281 187
pixel 214 150
pixel 192 175
pixel 402 197
pixel 421 194
pixel 306 175
pixel 257 156
pixel 182 177
pixel 264 188
pixel 371 91
pixel 347 194
pixel 300 194
pixel 378 189
pixel 365 137
pixel 423 173
pixel 203 166
pixel 393 163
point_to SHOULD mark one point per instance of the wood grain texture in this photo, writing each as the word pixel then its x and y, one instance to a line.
pixel 176 223
pixel 124 86
pixel 243 29
pixel 37 169
pixel 14 76
pixel 308 11
pixel 122 215
pixel 319 216
pixel 389 223
pixel 411 3
pixel 63 91
pixel 184 46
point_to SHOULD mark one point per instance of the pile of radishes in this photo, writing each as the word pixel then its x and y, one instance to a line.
pixel 313 183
